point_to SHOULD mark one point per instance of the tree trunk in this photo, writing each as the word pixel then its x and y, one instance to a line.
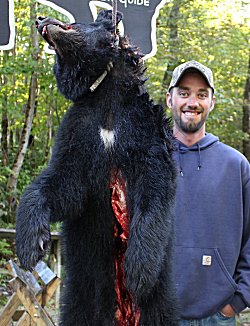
pixel 172 46
pixel 4 122
pixel 48 149
pixel 4 129
pixel 29 115
pixel 246 115
pixel 4 138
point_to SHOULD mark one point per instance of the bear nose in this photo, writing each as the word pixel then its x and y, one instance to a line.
pixel 39 20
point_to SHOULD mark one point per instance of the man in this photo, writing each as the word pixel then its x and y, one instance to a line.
pixel 212 259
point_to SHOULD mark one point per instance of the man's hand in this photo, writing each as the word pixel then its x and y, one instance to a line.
pixel 228 311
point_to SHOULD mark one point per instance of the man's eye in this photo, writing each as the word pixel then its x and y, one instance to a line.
pixel 183 94
pixel 202 95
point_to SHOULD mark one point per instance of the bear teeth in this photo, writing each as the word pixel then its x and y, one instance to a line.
pixel 44 31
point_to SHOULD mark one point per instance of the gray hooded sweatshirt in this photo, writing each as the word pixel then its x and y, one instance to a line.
pixel 212 258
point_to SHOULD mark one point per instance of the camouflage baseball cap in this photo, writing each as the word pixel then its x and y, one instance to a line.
pixel 181 69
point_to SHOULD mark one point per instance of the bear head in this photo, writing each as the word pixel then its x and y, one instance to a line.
pixel 85 51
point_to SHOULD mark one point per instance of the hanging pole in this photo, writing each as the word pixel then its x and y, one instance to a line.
pixel 114 13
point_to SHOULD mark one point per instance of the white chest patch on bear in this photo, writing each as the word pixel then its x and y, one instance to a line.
pixel 108 137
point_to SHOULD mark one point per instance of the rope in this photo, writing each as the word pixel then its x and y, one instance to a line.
pixel 114 13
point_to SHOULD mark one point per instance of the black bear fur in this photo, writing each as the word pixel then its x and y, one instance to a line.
pixel 75 189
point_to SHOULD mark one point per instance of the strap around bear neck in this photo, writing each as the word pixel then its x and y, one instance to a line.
pixel 100 79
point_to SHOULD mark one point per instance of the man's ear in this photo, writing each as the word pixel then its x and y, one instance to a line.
pixel 212 103
pixel 168 100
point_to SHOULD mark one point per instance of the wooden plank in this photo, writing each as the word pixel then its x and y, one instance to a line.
pixel 58 271
pixel 11 233
pixel 31 304
pixel 9 310
pixel 7 233
pixel 50 290
pixel 26 277
pixel 26 319
pixel 10 267
pixel 44 272
pixel 42 299
pixel 30 295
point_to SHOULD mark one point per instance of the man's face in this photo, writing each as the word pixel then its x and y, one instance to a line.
pixel 190 102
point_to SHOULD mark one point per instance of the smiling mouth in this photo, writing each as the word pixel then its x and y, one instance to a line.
pixel 191 113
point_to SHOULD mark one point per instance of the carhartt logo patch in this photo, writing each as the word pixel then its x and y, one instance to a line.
pixel 206 260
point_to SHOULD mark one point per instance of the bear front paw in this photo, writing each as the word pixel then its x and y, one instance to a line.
pixel 32 246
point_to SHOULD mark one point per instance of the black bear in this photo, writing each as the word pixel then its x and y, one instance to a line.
pixel 110 180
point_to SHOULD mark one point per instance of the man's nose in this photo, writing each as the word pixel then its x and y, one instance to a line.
pixel 193 101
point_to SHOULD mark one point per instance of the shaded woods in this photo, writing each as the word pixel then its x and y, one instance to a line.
pixel 215 33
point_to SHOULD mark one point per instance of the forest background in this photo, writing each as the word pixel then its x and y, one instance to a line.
pixel 214 32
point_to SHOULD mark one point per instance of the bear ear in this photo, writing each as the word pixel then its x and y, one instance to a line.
pixel 107 15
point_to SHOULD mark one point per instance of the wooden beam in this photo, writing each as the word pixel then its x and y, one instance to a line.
pixel 42 299
pixel 9 310
pixel 11 233
pixel 31 304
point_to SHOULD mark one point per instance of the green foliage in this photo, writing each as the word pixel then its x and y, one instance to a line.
pixel 16 68
pixel 5 250
pixel 6 253
pixel 213 32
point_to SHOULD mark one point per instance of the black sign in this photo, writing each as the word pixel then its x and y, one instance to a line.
pixel 139 21
pixel 7 24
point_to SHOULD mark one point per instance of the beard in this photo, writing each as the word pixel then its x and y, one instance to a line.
pixel 189 126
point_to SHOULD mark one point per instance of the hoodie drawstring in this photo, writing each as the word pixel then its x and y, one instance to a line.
pixel 182 151
pixel 199 147
pixel 180 160
pixel 199 158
